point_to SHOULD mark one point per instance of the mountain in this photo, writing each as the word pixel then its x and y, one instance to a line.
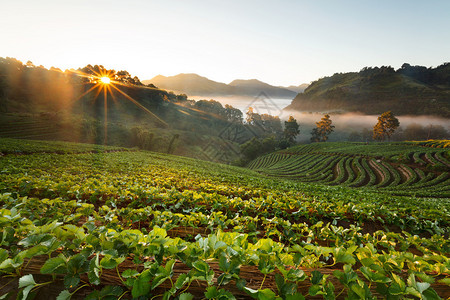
pixel 191 84
pixel 253 87
pixel 195 85
pixel 298 88
pixel 410 90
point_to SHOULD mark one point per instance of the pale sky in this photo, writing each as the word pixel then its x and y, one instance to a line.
pixel 278 42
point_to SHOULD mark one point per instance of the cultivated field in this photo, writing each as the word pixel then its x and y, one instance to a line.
pixel 408 168
pixel 80 221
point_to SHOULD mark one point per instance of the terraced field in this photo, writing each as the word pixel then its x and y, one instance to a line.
pixel 409 168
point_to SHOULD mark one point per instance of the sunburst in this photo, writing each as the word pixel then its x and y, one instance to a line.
pixel 105 82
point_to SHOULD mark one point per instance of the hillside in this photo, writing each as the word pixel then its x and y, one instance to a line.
pixel 36 103
pixel 406 168
pixel 106 223
pixel 195 85
pixel 410 90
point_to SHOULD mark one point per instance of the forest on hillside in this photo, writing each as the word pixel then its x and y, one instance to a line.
pixel 73 105
pixel 410 90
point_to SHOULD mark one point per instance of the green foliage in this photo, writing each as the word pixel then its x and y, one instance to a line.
pixel 133 215
pixel 291 130
pixel 407 91
pixel 394 168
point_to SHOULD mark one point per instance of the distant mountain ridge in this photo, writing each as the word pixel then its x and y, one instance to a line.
pixel 410 90
pixel 196 85
pixel 299 88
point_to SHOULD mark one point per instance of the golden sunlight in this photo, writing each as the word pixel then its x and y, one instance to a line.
pixel 105 80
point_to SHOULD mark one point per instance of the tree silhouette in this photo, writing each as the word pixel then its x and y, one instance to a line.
pixel 322 130
pixel 291 130
pixel 387 124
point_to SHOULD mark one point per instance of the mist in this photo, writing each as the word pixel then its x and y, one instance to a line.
pixel 348 123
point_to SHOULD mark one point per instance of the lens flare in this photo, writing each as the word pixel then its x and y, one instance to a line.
pixel 105 80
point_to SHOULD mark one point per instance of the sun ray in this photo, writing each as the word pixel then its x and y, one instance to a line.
pixel 95 72
pixel 112 94
pixel 141 106
pixel 88 91
pixel 105 103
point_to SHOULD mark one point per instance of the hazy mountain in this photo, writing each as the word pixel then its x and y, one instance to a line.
pixel 195 85
pixel 191 84
pixel 410 90
pixel 298 89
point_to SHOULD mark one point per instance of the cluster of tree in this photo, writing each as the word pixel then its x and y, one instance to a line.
pixel 93 72
pixel 410 90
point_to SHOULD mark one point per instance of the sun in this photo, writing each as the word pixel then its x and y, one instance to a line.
pixel 105 80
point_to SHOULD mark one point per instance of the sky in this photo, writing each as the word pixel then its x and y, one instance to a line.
pixel 284 42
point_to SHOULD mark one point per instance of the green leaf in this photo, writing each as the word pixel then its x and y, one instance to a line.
pixel 26 280
pixel 186 296
pixel 425 277
pixel 203 271
pixel 71 280
pixel 77 264
pixel 54 265
pixel 181 281
pixel 422 286
pixel 169 267
pixel 358 290
pixel 445 281
pixel 110 262
pixel 220 245
pixel 296 296
pixel 430 294
pixel 342 255
pixel 94 271
pixel 412 291
pixel 3 254
pixel 266 294
pixel 316 277
pixel 240 283
pixel 141 285
pixel 201 266
pixel 374 276
pixel 295 275
pixel 158 280
pixel 111 292
pixel 130 273
pixel 398 286
pixel 211 292
pixel 224 279
pixel 26 291
pixel 279 280
pixel 224 264
pixel 250 291
pixel 315 290
pixel 64 295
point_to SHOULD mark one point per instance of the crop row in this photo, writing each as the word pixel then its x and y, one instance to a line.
pixel 358 171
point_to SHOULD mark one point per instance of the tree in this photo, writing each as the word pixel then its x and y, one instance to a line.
pixel 387 124
pixel 291 129
pixel 322 130
pixel 233 114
